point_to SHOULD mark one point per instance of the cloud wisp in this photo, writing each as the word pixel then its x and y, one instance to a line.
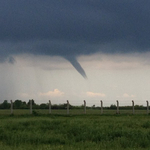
pixel 54 93
pixel 125 95
pixel 92 94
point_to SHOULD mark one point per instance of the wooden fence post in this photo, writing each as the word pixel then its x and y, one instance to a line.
pixel 132 107
pixel 84 106
pixel 147 107
pixel 101 107
pixel 50 105
pixel 11 106
pixel 31 106
pixel 67 107
pixel 117 107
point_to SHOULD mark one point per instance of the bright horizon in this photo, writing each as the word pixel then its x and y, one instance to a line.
pixel 110 78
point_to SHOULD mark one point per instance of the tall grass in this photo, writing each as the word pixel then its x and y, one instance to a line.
pixel 74 132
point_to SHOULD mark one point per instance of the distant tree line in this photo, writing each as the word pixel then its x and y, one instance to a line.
pixel 138 107
pixel 19 104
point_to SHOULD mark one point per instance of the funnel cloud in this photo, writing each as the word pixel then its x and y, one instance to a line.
pixel 77 66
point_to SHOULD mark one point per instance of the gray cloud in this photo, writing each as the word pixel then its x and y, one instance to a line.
pixel 72 28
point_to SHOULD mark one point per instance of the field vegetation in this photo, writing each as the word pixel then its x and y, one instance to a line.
pixel 76 131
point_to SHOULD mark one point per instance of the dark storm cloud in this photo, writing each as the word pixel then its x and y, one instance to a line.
pixel 70 28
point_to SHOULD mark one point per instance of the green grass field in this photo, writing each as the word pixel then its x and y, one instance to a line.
pixel 59 131
pixel 71 112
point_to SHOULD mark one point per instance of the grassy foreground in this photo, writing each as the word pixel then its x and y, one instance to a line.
pixel 74 132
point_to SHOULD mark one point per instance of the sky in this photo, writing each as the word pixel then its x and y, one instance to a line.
pixel 75 50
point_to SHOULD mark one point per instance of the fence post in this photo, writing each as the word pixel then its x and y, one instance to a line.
pixel 31 106
pixel 101 107
pixel 67 107
pixel 50 105
pixel 84 106
pixel 147 107
pixel 11 106
pixel 132 107
pixel 117 107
